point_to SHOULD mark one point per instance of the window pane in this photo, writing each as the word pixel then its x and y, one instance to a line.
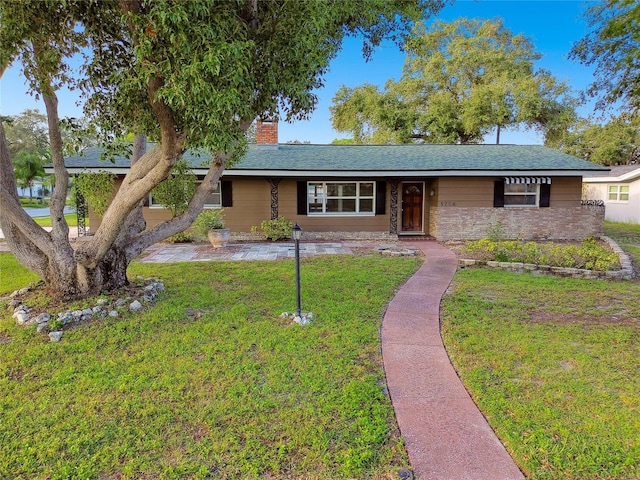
pixel 341 189
pixel 624 188
pixel 340 206
pixel 315 192
pixel 366 205
pixel 520 200
pixel 624 196
pixel 520 188
pixel 366 189
pixel 213 199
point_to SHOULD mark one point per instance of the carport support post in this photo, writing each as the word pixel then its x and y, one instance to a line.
pixel 297 233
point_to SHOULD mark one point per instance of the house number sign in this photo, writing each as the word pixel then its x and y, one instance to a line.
pixel 447 204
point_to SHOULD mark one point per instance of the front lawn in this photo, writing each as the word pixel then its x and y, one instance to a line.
pixel 13 276
pixel 554 365
pixel 627 235
pixel 210 382
pixel 71 218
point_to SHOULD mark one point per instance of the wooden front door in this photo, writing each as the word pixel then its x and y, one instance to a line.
pixel 412 202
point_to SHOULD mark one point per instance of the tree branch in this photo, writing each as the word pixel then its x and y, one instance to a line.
pixel 60 229
pixel 183 221
pixel 13 217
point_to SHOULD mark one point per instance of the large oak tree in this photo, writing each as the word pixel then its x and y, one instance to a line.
pixel 613 47
pixel 191 75
pixel 616 142
pixel 460 81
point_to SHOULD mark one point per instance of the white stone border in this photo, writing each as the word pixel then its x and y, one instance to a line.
pixel 625 272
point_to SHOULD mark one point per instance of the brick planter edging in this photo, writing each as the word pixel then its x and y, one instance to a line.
pixel 625 272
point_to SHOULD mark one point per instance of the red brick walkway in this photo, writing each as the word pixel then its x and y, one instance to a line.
pixel 445 434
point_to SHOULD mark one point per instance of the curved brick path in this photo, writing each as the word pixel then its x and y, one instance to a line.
pixel 445 434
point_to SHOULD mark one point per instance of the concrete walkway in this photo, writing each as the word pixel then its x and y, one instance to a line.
pixel 446 436
pixel 195 252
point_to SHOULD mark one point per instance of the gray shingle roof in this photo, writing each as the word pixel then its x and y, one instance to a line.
pixel 617 171
pixel 381 158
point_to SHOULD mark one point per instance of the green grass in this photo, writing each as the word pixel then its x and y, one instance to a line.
pixel 553 364
pixel 13 276
pixel 210 382
pixel 627 235
pixel 71 218
pixel 620 229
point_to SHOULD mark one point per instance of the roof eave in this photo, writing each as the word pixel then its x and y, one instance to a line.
pixel 367 173
pixel 626 178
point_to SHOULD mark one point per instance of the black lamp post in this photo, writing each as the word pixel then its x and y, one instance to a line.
pixel 297 234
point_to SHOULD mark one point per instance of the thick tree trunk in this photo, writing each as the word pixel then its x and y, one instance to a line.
pixel 101 262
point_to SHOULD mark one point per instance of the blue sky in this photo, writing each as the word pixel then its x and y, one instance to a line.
pixel 552 25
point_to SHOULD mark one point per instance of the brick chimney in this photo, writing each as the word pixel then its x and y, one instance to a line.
pixel 267 133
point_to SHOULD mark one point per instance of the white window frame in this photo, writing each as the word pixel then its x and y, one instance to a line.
pixel 322 198
pixel 206 205
pixel 616 189
pixel 535 194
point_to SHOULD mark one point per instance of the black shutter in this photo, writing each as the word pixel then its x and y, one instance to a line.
pixel 545 194
pixel 498 193
pixel 381 197
pixel 302 198
pixel 227 193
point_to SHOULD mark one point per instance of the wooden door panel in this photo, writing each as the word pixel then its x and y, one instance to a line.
pixel 412 201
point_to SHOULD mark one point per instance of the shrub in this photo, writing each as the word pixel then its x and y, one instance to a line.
pixel 495 231
pixel 177 189
pixel 589 255
pixel 277 229
pixel 209 219
pixel 180 237
pixel 96 188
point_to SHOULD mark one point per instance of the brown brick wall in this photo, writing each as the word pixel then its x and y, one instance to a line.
pixel 554 223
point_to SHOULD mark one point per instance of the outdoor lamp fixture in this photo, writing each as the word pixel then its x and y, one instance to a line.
pixel 297 234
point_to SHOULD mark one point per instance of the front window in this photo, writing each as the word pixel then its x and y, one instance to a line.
pixel 340 198
pixel 619 193
pixel 521 194
pixel 213 200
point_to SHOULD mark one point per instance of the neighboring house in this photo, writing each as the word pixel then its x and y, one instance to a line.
pixel 620 191
pixel 384 191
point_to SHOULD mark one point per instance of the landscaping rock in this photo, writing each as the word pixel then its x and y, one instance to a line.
pixel 43 321
pixel 302 320
pixel 43 318
pixel 405 474
pixel 135 306
pixel 55 336
pixel 21 317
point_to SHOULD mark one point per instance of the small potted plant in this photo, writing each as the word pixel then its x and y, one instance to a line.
pixel 210 223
